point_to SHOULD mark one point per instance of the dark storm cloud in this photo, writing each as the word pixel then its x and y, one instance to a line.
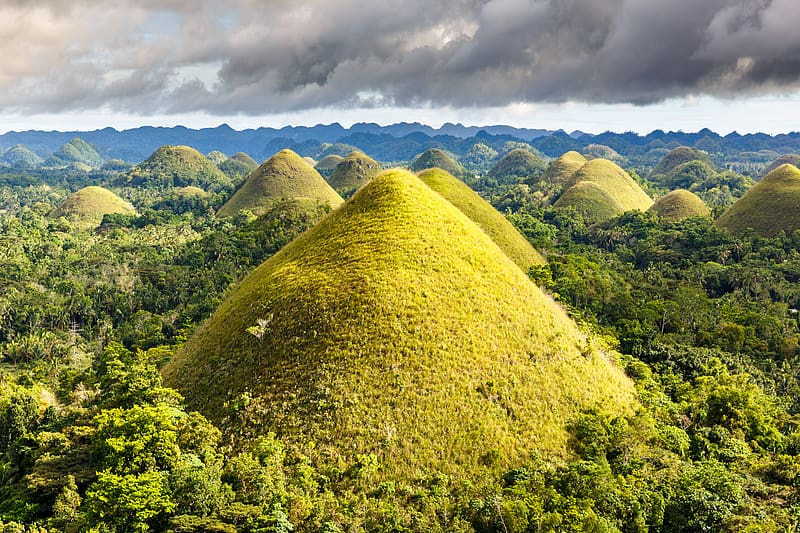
pixel 251 56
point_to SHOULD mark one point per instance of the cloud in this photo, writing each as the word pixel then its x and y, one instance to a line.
pixel 267 56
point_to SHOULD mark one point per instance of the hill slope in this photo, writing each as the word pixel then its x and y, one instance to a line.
pixel 676 157
pixel 786 159
pixel 680 204
pixel 562 168
pixel 328 164
pixel 20 157
pixel 76 151
pixel 86 207
pixel 518 163
pixel 284 176
pixel 395 326
pixel 178 166
pixel 436 158
pixel 591 201
pixel 491 221
pixel 614 181
pixel 353 172
pixel 772 205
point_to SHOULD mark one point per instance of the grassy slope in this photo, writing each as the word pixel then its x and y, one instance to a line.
pixel 680 204
pixel 614 181
pixel 562 168
pixel 520 163
pixel 189 191
pixel 77 151
pixel 246 159
pixel 397 327
pixel 436 158
pixel 327 164
pixel 352 173
pixel 786 159
pixel 283 176
pixel 494 224
pixel 771 206
pixel 22 157
pixel 590 200
pixel 86 207
pixel 676 157
pixel 179 166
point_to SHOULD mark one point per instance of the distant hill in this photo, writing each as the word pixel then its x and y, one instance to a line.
pixel 242 157
pixel 86 207
pixel 76 151
pixel 491 221
pixel 20 157
pixel 786 159
pixel 680 204
pixel 328 164
pixel 396 327
pixel 562 168
pixel 353 172
pixel 591 200
pixel 216 157
pixel 676 157
pixel 436 158
pixel 177 166
pixel 284 176
pixel 614 181
pixel 518 163
pixel 772 205
pixel 601 151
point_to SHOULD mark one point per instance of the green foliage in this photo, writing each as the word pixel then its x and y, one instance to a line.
pixel 436 158
pixel 76 151
pixel 177 166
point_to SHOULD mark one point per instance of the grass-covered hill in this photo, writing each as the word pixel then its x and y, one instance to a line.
pixel 85 208
pixel 614 181
pixel 352 173
pixel 676 157
pixel 494 224
pixel 518 163
pixel 772 205
pixel 177 166
pixel 591 201
pixel 76 151
pixel 189 191
pixel 436 158
pixel 592 151
pixel 328 164
pixel 284 176
pixel 396 327
pixel 562 168
pixel 680 204
pixel 20 157
pixel 242 157
pixel 786 159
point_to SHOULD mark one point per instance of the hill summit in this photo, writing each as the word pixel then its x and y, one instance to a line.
pixel 518 163
pixel 353 172
pixel 284 176
pixel 772 205
pixel 396 327
pixel 680 204
pixel 86 207
pixel 436 158
pixel 178 166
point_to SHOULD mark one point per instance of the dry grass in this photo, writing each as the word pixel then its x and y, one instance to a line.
pixel 680 204
pixel 85 208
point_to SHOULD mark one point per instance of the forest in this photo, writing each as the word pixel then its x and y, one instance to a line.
pixel 701 315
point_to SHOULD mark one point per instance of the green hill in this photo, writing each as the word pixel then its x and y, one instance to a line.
pixel 518 163
pixel 688 174
pixel 178 166
pixel 678 156
pixel 491 221
pixel 284 176
pixel 680 204
pixel 562 168
pixel 190 191
pixel 246 159
pixel 352 173
pixel 328 164
pixel 396 327
pixel 436 158
pixel 20 157
pixel 76 151
pixel 786 159
pixel 614 181
pixel 592 151
pixel 216 157
pixel 85 208
pixel 772 205
pixel 591 201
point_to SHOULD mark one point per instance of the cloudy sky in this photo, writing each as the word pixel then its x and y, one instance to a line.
pixel 593 65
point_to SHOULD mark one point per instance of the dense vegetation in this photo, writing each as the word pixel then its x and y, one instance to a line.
pixel 705 321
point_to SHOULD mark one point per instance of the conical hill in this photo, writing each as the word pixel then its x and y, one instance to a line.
pixel 284 176
pixel 562 168
pixel 680 204
pixel 21 157
pixel 785 159
pixel 518 164
pixel 353 172
pixel 396 327
pixel 86 207
pixel 436 158
pixel 591 201
pixel 246 159
pixel 178 166
pixel 678 156
pixel 491 221
pixel 772 205
pixel 614 181
pixel 328 164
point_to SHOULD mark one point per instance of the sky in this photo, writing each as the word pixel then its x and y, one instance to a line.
pixel 590 65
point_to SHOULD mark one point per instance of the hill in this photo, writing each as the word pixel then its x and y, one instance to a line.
pixel 678 156
pixel 190 191
pixel 216 157
pixel 396 327
pixel 680 204
pixel 76 151
pixel 20 157
pixel 284 176
pixel 491 221
pixel 85 208
pixel 518 163
pixel 591 151
pixel 589 199
pixel 772 205
pixel 328 164
pixel 246 159
pixel 436 158
pixel 614 181
pixel 686 175
pixel 562 168
pixel 352 173
pixel 786 159
pixel 178 166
